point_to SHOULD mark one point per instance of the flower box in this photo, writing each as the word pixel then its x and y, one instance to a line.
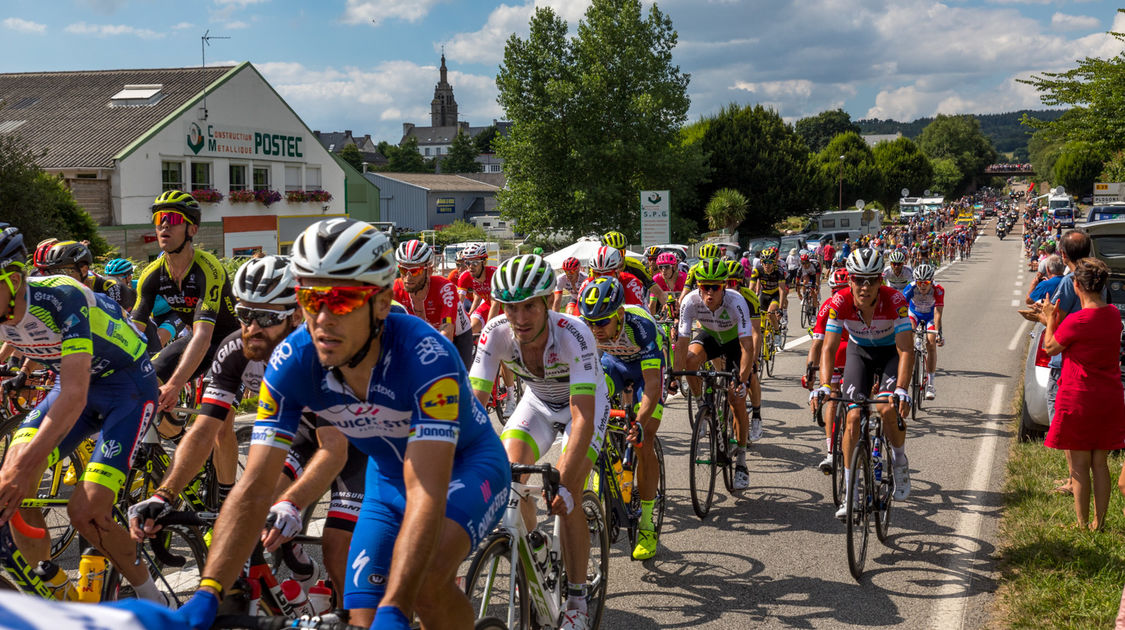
pixel 207 195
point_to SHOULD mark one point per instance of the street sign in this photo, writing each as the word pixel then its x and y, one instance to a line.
pixel 656 218
pixel 1108 192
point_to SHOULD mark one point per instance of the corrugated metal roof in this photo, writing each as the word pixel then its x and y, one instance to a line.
pixel 71 120
pixel 440 183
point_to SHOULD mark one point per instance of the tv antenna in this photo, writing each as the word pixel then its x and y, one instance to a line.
pixel 204 42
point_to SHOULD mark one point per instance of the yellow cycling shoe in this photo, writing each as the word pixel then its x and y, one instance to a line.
pixel 646 545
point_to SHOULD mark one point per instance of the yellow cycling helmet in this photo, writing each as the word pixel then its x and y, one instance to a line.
pixel 710 250
pixel 615 240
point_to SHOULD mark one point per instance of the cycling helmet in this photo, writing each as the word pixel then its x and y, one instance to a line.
pixel 344 249
pixel 522 278
pixel 615 240
pixel 476 251
pixel 896 257
pixel 839 260
pixel 266 280
pixel 414 253
pixel 710 250
pixel 179 201
pixel 601 298
pixel 68 254
pixel 40 257
pixel 666 259
pixel 571 264
pixel 805 257
pixel 608 259
pixel 839 279
pixel 652 252
pixel 710 270
pixel 538 251
pixel 865 262
pixel 735 270
pixel 118 267
pixel 924 272
pixel 12 250
pixel 460 256
pixel 769 253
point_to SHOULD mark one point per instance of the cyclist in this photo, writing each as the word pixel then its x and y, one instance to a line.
pixel 651 254
pixel 475 281
pixel 39 258
pixel 725 331
pixel 927 301
pixel 566 286
pixel 437 477
pixel 105 386
pixel 431 297
pixel 736 281
pixel 632 355
pixel 617 241
pixel 773 292
pixel 608 262
pixel 168 323
pixel 556 356
pixel 807 275
pixel 838 282
pixel 875 317
pixel 670 280
pixel 197 289
pixel 706 252
pixel 120 270
pixel 898 275
pixel 73 259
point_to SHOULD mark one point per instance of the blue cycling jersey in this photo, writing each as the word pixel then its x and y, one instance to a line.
pixel 638 339
pixel 419 390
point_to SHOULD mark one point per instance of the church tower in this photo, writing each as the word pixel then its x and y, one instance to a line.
pixel 443 109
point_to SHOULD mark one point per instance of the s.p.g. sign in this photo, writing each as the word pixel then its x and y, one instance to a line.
pixel 208 139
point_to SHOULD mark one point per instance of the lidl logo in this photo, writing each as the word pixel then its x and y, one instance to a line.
pixel 267 406
pixel 195 138
pixel 441 400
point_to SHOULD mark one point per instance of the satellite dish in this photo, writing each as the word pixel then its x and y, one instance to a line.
pixel 927 193
pixel 905 192
pixel 859 203
pixel 1060 190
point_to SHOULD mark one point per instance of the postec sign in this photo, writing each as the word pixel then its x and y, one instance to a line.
pixel 212 140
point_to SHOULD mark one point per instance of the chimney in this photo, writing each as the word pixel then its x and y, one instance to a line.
pixel 406 127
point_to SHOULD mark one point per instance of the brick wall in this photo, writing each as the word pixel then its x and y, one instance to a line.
pixel 93 195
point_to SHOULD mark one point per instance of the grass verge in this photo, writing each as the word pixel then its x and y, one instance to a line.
pixel 1052 574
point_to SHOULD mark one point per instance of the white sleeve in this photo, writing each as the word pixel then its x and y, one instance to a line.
pixel 687 313
pixel 741 314
pixel 493 347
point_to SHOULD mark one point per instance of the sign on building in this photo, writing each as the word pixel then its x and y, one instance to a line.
pixel 211 140
pixel 656 218
pixel 1108 192
pixel 446 205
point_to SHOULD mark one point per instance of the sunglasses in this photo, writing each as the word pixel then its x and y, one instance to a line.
pixel 866 281
pixel 170 216
pixel 600 323
pixel 604 274
pixel 339 300
pixel 264 318
pixel 708 288
pixel 665 267
pixel 411 271
pixel 925 283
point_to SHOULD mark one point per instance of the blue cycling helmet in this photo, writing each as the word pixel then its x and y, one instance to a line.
pixel 601 299
pixel 118 267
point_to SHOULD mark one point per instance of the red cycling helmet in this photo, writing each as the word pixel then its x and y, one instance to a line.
pixel 39 259
pixel 571 264
pixel 804 258
pixel 839 279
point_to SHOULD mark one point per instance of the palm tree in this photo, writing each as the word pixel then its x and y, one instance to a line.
pixel 726 210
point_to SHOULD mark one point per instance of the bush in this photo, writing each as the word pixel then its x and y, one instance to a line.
pixel 458 232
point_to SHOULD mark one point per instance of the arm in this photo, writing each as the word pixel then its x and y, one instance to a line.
pixel 828 356
pixel 193 355
pixel 323 468
pixel 556 303
pixel 573 464
pixel 746 367
pixel 904 343
pixel 937 319
pixel 651 397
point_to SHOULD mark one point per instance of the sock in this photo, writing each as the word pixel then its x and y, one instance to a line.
pixel 646 515
pixel 899 454
pixel 756 412
pixel 848 480
pixel 576 596
pixel 828 445
pixel 930 377
pixel 148 591
pixel 740 456
pixel 224 490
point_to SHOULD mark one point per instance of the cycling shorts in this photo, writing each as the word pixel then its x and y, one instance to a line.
pixel 482 311
pixel 731 350
pixel 537 424
pixel 478 494
pixel 465 346
pixel 863 363
pixel 347 487
pixel 619 375
pixel 119 408
pixel 930 326
pixel 765 299
pixel 168 359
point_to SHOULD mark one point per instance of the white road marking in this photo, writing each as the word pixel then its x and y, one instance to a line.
pixel 1018 336
pixel 949 609
pixel 1015 302
pixel 796 342
pixel 1019 282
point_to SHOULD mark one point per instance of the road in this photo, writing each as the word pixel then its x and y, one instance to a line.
pixel 775 557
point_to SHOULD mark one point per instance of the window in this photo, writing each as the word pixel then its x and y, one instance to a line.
pixel 827 223
pixel 200 175
pixel 292 177
pixel 438 150
pixel 427 150
pixel 312 178
pixel 845 222
pixel 238 177
pixel 261 178
pixel 171 175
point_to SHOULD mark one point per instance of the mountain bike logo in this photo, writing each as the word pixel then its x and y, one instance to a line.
pixel 111 448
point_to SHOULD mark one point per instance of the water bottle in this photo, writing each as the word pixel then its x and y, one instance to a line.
pixel 627 475
pixel 293 592
pixel 877 458
pixel 57 581
pixel 538 544
pixel 617 470
pixel 255 598
pixel 320 598
pixel 91 575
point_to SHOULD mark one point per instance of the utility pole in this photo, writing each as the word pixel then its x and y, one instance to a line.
pixel 204 42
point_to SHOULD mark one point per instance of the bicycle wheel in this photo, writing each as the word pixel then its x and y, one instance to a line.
pixel 884 496
pixel 916 386
pixel 701 472
pixel 920 367
pixel 597 568
pixel 771 344
pixel 58 482
pixel 175 558
pixel 859 509
pixel 838 463
pixel 489 583
pixel 727 445
pixel 661 490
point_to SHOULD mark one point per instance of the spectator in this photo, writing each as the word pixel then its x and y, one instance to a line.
pixel 1048 251
pixel 1045 283
pixel 1089 415
pixel 828 253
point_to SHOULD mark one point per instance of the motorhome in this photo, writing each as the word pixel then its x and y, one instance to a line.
pixel 850 220
pixel 909 207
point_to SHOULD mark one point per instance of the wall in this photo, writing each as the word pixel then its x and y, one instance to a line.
pixel 130 242
pixel 462 202
pixel 401 202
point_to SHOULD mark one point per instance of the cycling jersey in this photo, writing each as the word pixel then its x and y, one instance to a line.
pixel 347 488
pixel 922 305
pixel 232 374
pixel 638 339
pixel 203 295
pixel 730 321
pixel 481 287
pixel 680 281
pixel 752 304
pixel 898 282
pixel 634 290
pixel 569 289
pixel 771 281
pixel 818 333
pixel 638 270
pixel 64 317
pixel 808 273
pixel 440 304
pixel 889 319
pixel 110 287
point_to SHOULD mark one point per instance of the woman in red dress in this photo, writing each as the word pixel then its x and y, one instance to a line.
pixel 1090 405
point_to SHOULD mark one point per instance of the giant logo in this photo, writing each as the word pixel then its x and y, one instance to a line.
pixel 441 400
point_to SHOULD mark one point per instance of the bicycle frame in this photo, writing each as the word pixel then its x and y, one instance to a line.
pixel 545 595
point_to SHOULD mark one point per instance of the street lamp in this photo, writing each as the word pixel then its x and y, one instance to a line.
pixel 841 180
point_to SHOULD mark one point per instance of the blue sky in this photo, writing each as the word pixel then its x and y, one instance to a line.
pixel 370 65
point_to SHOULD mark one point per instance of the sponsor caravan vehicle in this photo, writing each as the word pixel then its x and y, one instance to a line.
pixel 931 205
pixel 1060 205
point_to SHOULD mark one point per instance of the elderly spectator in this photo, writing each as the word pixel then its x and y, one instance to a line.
pixel 1089 418
pixel 1048 250
pixel 1045 283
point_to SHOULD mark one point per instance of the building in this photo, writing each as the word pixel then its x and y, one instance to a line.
pixel 121 137
pixel 425 201
pixel 335 141
pixel 873 139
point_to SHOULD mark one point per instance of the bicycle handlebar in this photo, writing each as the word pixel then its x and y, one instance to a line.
pixel 865 401
pixel 548 473
pixel 704 373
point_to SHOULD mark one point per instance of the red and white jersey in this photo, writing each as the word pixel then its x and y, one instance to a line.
pixel 440 304
pixel 481 286
pixel 890 318
pixel 634 289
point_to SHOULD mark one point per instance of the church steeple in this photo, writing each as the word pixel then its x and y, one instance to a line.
pixel 443 109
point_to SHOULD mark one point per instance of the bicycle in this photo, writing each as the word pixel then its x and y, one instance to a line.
pixel 768 356
pixel 917 384
pixel 712 425
pixel 837 472
pixel 522 582
pixel 809 306
pixel 872 484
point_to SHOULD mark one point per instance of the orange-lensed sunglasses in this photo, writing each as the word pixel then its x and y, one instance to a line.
pixel 339 300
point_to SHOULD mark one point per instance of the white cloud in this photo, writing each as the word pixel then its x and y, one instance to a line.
pixel 376 11
pixel 108 30
pixel 240 3
pixel 24 26
pixel 236 25
pixel 182 25
pixel 486 45
pixel 1064 22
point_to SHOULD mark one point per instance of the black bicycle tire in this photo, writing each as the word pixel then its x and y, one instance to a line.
pixel 884 494
pixel 915 386
pixel 499 545
pixel 861 476
pixel 596 589
pixel 116 588
pixel 838 465
pixel 702 507
pixel 921 366
pixel 661 489
pixel 728 444
pixel 773 354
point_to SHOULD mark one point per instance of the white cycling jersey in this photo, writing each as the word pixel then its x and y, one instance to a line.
pixel 898 281
pixel 728 322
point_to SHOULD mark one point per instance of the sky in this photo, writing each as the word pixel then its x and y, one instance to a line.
pixel 370 65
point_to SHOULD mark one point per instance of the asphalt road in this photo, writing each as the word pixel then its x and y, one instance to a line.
pixel 774 556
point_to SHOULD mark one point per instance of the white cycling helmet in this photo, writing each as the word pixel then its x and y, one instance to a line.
pixel 897 256
pixel 607 259
pixel 522 278
pixel 414 253
pixel 865 262
pixel 476 251
pixel 344 249
pixel 924 272
pixel 266 280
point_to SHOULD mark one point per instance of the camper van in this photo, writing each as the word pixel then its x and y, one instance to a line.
pixel 909 207
pixel 849 220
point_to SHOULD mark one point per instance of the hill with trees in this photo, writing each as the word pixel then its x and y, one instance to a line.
pixel 1004 130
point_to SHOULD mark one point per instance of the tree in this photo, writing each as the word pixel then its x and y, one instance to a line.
pixel 1114 169
pixel 726 210
pixel 1078 167
pixel 40 204
pixel 405 158
pixel 902 166
pixel 857 171
pixel 594 119
pixel 753 151
pixel 959 138
pixel 819 130
pixel 462 156
pixel 1044 149
pixel 947 176
pixel 458 232
pixel 350 154
pixel 484 139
